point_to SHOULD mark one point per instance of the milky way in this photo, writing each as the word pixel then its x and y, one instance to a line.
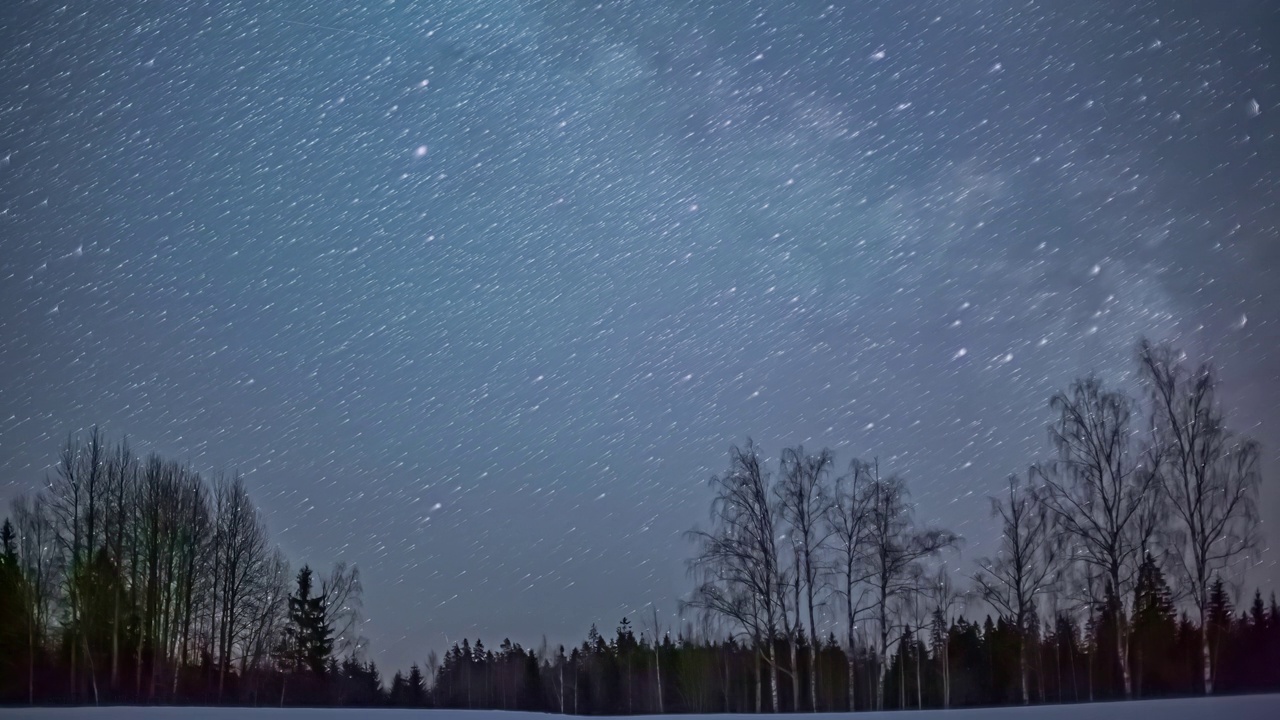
pixel 478 293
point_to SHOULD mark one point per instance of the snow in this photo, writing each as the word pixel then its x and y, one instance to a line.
pixel 1245 707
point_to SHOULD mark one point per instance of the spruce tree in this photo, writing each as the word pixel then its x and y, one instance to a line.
pixel 309 637
pixel 399 693
pixel 13 619
pixel 1154 630
pixel 1219 619
pixel 1273 644
pixel 416 687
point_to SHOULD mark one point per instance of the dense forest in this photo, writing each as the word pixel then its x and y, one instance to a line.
pixel 131 579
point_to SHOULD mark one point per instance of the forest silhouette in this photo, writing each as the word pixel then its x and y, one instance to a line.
pixel 1117 575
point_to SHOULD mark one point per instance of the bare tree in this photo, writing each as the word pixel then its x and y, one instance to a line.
pixel 919 615
pixel 848 524
pixel 740 576
pixel 37 555
pixel 895 547
pixel 240 551
pixel 1100 493
pixel 1209 478
pixel 343 603
pixel 157 498
pixel 194 584
pixel 266 612
pixel 804 500
pixel 121 478
pixel 656 628
pixel 433 666
pixel 135 564
pixel 76 494
pixel 1025 566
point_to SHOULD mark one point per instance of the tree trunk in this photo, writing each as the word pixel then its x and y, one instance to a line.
pixel 93 675
pixel 1057 663
pixel 657 672
pixel 1123 650
pixel 1075 677
pixel 31 655
pixel 75 685
pixel 137 670
pixel 919 688
pixel 882 661
pixel 852 640
pixel 773 674
pixel 1205 657
pixel 902 680
pixel 1022 664
pixel 946 674
pixel 115 644
pixel 813 637
pixel 1090 670
pixel 728 684
pixel 759 686
pixel 1137 673
pixel 795 674
pixel 853 676
pixel 1040 671
pixel 813 673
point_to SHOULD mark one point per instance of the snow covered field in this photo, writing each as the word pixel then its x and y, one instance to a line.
pixel 1250 707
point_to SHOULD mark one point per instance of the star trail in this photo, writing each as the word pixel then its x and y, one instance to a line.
pixel 477 293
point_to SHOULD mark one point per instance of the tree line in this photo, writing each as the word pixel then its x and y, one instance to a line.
pixel 1133 491
pixel 815 588
pixel 137 579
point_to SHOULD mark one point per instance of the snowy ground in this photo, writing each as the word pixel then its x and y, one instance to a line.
pixel 1251 707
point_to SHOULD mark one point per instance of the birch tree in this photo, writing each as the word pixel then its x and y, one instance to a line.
pixel 1100 493
pixel 944 597
pixel 848 525
pixel 343 603
pixel 658 636
pixel 803 500
pixel 75 499
pixel 740 576
pixel 1209 478
pixel 240 552
pixel 37 558
pixel 894 549
pixel 1025 566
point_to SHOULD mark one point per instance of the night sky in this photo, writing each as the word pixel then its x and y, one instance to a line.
pixel 478 293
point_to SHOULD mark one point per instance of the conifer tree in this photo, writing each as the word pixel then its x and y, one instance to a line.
pixel 399 694
pixel 1217 626
pixel 13 622
pixel 416 687
pixel 309 637
pixel 1154 628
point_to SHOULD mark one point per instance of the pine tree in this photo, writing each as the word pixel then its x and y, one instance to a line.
pixel 309 637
